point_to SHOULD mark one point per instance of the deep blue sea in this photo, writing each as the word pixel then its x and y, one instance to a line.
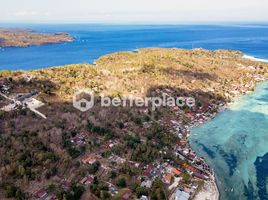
pixel 93 41
pixel 235 143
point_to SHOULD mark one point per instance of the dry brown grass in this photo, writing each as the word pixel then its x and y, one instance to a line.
pixel 127 73
pixel 24 38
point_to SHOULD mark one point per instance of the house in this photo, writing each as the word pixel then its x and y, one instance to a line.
pixel 79 139
pixel 194 186
pixel 112 190
pixel 147 184
pixel 87 180
pixel 51 197
pixel 182 143
pixel 83 181
pixel 108 145
pixel 144 198
pixel 4 88
pixel 90 179
pixel 180 195
pixel 116 159
pixel 167 178
pixel 89 160
pixel 127 194
pixel 175 171
pixel 200 176
pixel 148 171
pixel 22 98
pixel 136 164
pixel 41 194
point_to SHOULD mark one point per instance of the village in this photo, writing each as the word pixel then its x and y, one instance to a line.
pixel 182 172
pixel 194 169
pixel 181 181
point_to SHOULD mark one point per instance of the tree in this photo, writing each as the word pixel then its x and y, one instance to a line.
pixel 141 191
pixel 51 172
pixel 74 193
pixel 12 191
pixel 94 167
pixel 186 178
pixel 99 189
pixel 105 195
pixel 158 191
pixel 138 121
pixel 113 175
pixel 121 182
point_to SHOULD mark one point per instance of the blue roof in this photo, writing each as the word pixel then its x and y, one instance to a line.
pixel 181 195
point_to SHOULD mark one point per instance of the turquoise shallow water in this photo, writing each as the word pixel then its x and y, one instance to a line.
pixel 235 144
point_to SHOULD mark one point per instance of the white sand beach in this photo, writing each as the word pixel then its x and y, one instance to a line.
pixel 209 191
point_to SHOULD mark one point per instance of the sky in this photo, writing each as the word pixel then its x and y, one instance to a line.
pixel 121 11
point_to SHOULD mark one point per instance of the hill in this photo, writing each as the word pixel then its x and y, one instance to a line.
pixel 127 144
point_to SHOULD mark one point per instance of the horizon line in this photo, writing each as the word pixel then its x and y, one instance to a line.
pixel 138 22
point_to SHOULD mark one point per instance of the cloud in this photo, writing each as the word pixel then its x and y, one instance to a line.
pixel 134 10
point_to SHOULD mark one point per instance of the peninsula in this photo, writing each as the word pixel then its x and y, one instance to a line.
pixel 24 38
pixel 116 152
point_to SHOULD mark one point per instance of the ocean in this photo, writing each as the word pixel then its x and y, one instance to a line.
pixel 92 41
pixel 235 146
pixel 234 143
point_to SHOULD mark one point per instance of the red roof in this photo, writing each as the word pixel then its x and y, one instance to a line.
pixel 167 178
pixel 190 168
pixel 176 171
pixel 182 142
pixel 89 160
pixel 126 195
pixel 147 172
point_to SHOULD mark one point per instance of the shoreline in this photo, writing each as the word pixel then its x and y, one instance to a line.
pixel 255 58
pixel 135 50
pixel 210 190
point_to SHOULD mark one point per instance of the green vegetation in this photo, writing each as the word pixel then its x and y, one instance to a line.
pixel 94 167
pixel 12 191
pixel 106 132
pixel 100 189
pixel 158 191
pixel 71 149
pixel 121 182
pixel 74 193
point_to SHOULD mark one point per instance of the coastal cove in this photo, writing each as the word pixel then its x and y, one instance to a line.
pixel 234 145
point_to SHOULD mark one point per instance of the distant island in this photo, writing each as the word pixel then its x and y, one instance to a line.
pixel 25 38
pixel 116 152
